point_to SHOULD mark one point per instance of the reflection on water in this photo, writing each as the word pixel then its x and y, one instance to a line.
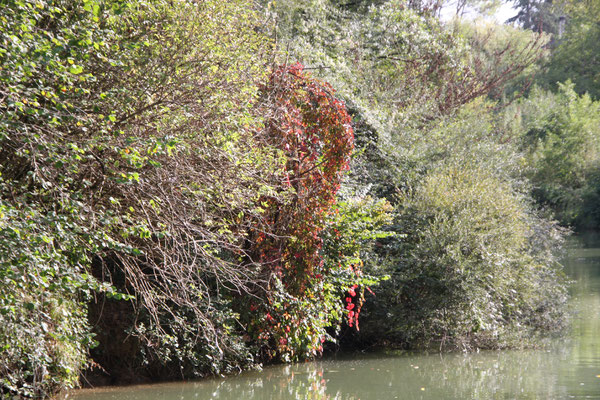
pixel 568 369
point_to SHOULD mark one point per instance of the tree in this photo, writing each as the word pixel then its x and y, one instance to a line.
pixel 129 169
pixel 559 134
pixel 537 15
pixel 417 89
pixel 576 56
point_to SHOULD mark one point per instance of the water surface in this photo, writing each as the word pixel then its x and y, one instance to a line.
pixel 568 369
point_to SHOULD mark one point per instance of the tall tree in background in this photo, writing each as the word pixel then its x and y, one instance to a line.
pixel 577 56
pixel 537 15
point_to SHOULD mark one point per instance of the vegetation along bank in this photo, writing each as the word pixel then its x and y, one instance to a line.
pixel 199 187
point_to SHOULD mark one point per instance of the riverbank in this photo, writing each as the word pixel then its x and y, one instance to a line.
pixel 568 368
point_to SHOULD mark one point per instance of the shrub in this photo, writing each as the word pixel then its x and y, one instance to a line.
pixel 468 273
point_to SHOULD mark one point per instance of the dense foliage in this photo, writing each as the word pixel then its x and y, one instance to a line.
pixel 124 144
pixel 468 259
pixel 306 281
pixel 465 276
pixel 559 134
pixel 179 198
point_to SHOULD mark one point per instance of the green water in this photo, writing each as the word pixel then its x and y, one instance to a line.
pixel 568 369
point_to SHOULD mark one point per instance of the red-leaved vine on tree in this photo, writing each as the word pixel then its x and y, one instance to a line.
pixel 313 130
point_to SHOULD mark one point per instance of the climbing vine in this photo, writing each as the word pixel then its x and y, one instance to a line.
pixel 312 128
pixel 314 131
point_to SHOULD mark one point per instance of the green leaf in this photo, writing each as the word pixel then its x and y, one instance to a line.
pixel 76 69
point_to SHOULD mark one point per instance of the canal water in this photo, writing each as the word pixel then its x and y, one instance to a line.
pixel 567 369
